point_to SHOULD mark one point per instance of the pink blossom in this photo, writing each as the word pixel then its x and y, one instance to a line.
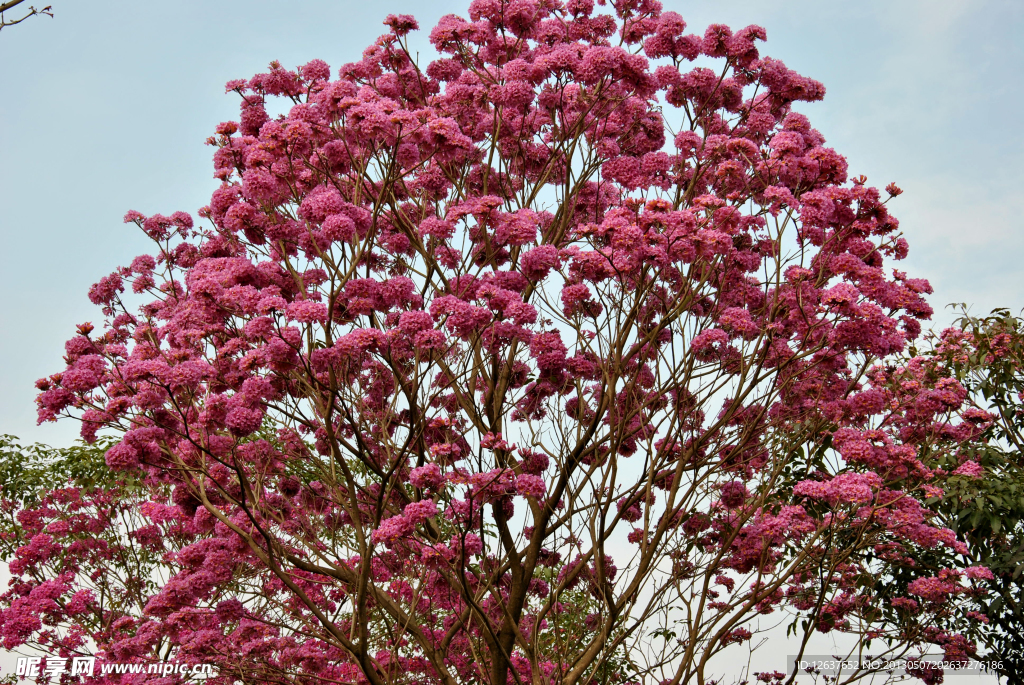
pixel 418 512
pixel 393 529
pixel 535 264
pixel 305 311
pixel 427 476
pixel 970 469
pixel 529 485
pixel 734 494
pixel 979 573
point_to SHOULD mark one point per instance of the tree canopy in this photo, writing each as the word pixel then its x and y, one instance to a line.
pixel 571 357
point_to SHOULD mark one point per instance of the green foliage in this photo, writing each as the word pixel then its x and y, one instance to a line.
pixel 26 473
pixel 988 513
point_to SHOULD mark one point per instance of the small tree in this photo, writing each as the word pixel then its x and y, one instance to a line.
pixel 528 366
pixel 983 496
pixel 70 533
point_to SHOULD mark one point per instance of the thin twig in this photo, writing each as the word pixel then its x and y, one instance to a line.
pixel 32 11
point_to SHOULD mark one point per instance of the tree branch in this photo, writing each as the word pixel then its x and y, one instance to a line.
pixel 32 11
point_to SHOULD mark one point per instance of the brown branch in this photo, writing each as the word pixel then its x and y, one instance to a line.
pixel 32 11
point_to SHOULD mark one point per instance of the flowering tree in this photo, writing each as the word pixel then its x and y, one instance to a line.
pixel 554 361
pixel 75 543
pixel 981 496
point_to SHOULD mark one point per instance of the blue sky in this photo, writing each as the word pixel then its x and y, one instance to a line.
pixel 106 106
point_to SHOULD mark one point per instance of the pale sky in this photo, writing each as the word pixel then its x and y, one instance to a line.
pixel 105 108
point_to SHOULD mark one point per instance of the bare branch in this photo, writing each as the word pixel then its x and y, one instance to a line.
pixel 32 12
